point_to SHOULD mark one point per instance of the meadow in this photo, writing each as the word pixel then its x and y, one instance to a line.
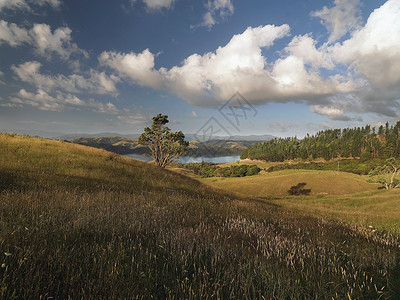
pixel 336 195
pixel 78 222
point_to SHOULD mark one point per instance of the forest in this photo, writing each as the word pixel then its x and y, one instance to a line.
pixel 360 142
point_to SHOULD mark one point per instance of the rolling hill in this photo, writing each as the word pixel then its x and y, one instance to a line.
pixel 123 145
pixel 79 222
pixel 277 184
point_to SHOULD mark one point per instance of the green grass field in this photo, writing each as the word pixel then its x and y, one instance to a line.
pixel 78 222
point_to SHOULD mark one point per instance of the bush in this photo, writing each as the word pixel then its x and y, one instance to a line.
pixel 298 190
pixel 210 170
pixel 252 170
pixel 365 156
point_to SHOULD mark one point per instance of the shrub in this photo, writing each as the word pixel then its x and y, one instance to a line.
pixel 297 190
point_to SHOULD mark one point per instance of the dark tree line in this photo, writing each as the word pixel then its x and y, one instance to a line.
pixel 363 142
pixel 205 169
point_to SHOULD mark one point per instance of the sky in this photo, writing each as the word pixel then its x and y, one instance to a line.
pixel 234 67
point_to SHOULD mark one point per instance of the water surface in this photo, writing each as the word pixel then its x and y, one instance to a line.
pixel 192 159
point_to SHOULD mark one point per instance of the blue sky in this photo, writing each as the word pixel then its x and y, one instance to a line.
pixel 109 66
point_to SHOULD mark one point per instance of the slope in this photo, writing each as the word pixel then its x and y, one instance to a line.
pixel 78 222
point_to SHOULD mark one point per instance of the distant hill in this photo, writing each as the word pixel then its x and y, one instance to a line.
pixel 116 144
pixel 69 137
pixel 258 138
pixel 125 145
pixel 188 136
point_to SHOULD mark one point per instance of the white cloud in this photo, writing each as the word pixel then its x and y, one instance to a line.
pixel 59 41
pixel 304 47
pixel 208 20
pixel 41 38
pixel 374 50
pixel 221 8
pixel 12 4
pixel 60 102
pixel 218 74
pixel 137 67
pixel 358 75
pixel 156 4
pixel 53 3
pixel 193 114
pixel 132 119
pixel 333 113
pixel 372 54
pixel 95 82
pixel 60 92
pixel 224 7
pixel 237 66
pixel 1 81
pixel 26 4
pixel 13 35
pixel 341 19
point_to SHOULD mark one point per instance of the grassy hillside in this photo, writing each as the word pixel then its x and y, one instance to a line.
pixel 339 195
pixel 277 184
pixel 378 209
pixel 77 222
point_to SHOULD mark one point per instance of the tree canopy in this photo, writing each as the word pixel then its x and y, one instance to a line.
pixel 363 142
pixel 164 144
pixel 388 174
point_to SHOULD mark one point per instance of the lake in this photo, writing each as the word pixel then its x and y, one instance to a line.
pixel 192 159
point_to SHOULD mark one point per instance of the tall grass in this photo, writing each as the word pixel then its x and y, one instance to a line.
pixel 103 227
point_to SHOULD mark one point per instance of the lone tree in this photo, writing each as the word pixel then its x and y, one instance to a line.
pixel 164 144
pixel 388 174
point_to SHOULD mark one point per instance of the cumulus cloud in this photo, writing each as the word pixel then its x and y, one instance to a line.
pixel 214 74
pixel 13 35
pixel 27 4
pixel 373 55
pixel 334 113
pixel 137 67
pixel 42 38
pixel 216 9
pixel 12 4
pixel 374 50
pixel 341 19
pixel 61 101
pixel 237 66
pixel 60 92
pixel 341 80
pixel 304 47
pixel 95 82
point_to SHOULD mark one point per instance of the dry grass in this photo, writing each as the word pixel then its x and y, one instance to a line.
pixel 337 195
pixel 276 184
pixel 379 209
pixel 77 222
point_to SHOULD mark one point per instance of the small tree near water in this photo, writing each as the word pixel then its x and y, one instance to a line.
pixel 164 144
pixel 388 174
